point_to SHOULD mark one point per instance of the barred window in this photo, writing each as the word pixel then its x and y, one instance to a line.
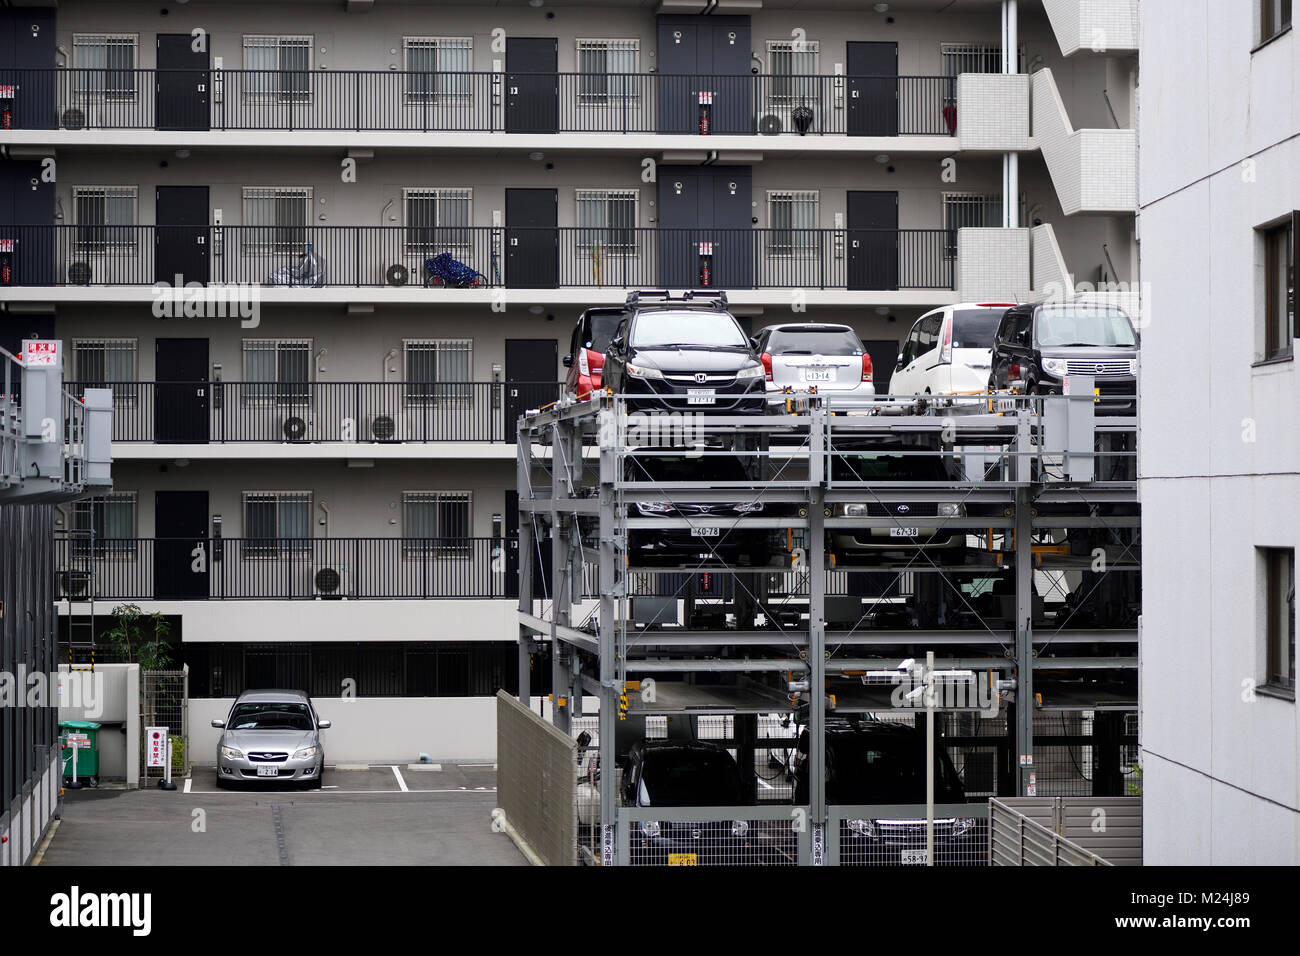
pixel 962 210
pixel 1280 264
pixel 793 218
pixel 436 521
pixel 104 218
pixel 277 218
pixel 437 67
pixel 107 363
pixel 607 221
pixel 277 522
pixel 959 58
pixel 437 220
pixel 277 372
pixel 104 525
pixel 437 370
pixel 280 65
pixel 105 64
pixel 794 71
pixel 606 70
pixel 1279 617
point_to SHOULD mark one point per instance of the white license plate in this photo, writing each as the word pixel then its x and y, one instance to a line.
pixel 914 858
pixel 700 396
pixel 265 771
pixel 904 532
pixel 816 375
pixel 705 531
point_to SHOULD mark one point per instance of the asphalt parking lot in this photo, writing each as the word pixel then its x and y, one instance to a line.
pixel 380 815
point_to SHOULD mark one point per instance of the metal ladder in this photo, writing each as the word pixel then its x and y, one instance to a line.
pixel 77 578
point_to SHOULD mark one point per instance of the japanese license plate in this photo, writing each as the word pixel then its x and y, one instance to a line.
pixel 683 859
pixel 268 771
pixel 904 532
pixel 914 858
pixel 705 531
pixel 700 396
pixel 816 375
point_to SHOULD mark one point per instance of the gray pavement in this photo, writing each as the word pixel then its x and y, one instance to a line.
pixel 360 817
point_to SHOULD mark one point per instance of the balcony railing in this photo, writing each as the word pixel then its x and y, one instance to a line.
pixel 284 569
pixel 320 412
pixel 383 100
pixel 525 258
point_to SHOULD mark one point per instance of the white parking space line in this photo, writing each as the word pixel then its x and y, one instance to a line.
pixel 400 782
pixel 188 781
pixel 358 793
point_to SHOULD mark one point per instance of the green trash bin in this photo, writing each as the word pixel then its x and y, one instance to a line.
pixel 85 733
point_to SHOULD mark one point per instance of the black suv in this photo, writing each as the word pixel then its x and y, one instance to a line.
pixel 686 354
pixel 1041 344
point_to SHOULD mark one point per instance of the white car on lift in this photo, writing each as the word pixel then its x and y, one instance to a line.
pixel 949 351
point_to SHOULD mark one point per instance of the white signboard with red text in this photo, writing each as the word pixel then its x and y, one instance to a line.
pixel 155 746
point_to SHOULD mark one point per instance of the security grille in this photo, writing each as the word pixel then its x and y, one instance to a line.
pixel 105 64
pixel 105 219
pixel 437 220
pixel 606 70
pixel 437 68
pixel 282 65
pixel 437 371
pixel 436 521
pixel 279 216
pixel 607 221
pixel 276 371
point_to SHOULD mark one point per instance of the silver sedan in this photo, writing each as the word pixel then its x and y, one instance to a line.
pixel 271 736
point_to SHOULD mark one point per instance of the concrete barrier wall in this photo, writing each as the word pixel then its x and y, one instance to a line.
pixel 111 696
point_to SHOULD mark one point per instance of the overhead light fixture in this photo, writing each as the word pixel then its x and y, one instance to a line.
pixel 535 309
pixel 182 154
pixel 537 157
pixel 880 7
pixel 882 310
pixel 534 3
pixel 882 158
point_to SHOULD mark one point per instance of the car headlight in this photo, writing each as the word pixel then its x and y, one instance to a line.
pixel 1054 366
pixel 853 510
pixel 231 753
pixel 747 507
pixel 866 828
pixel 749 372
pixel 951 509
pixel 653 507
pixel 641 371
pixel 740 828
pixel 650 828
pixel 962 825
pixel 305 753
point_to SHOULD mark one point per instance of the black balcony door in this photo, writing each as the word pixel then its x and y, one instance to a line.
pixel 27 65
pixel 703 65
pixel 180 408
pixel 530 376
pixel 27 233
pixel 873 88
pixel 873 240
pixel 532 240
pixel 706 238
pixel 541 554
pixel 182 84
pixel 532 85
pixel 180 525
pixel 181 236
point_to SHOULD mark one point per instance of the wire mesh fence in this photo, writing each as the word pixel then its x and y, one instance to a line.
pixel 164 702
pixel 897 835
pixel 711 836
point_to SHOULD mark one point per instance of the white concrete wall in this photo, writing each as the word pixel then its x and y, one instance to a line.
pixel 993 111
pixel 1093 170
pixel 993 264
pixel 111 696
pixel 1099 26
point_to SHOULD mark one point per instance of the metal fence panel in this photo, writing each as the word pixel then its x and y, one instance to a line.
pixel 537 775
pixel 1066 831
pixel 164 702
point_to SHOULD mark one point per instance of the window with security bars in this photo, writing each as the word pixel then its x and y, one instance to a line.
pixel 104 217
pixel 279 67
pixel 437 371
pixel 277 372
pixel 277 217
pixel 794 71
pixel 959 58
pixel 961 210
pixel 107 363
pixel 792 219
pixel 437 67
pixel 105 64
pixel 1279 617
pixel 607 221
pixel 104 525
pixel 1280 267
pixel 437 220
pixel 436 522
pixel 277 522
pixel 607 70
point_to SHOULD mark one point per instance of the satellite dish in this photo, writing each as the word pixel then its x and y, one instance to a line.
pixel 770 125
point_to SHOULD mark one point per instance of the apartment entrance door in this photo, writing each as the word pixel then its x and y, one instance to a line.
pixel 873 240
pixel 180 525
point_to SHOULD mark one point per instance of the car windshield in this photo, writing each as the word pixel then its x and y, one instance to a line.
pixel 1067 327
pixel 603 328
pixel 270 715
pixel 974 328
pixel 680 468
pixel 887 467
pixel 814 341
pixel 687 329
pixel 691 779
pixel 889 771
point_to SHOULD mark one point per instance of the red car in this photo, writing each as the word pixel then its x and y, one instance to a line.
pixel 586 356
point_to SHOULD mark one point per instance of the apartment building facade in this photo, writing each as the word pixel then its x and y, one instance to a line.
pixel 1220 161
pixel 297 480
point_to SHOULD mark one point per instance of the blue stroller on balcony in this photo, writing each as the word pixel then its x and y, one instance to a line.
pixel 442 269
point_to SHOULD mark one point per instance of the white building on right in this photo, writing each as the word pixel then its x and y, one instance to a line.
pixel 1219 186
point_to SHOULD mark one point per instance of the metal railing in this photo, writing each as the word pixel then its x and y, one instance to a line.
pixel 387 100
pixel 283 569
pixel 241 258
pixel 1017 840
pixel 312 412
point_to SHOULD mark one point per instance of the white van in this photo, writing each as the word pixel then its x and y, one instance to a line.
pixel 949 351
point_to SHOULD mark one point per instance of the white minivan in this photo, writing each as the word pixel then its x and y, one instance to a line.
pixel 949 351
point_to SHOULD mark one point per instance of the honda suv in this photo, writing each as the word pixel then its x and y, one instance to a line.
pixel 828 360
pixel 686 354
pixel 587 346
pixel 1040 345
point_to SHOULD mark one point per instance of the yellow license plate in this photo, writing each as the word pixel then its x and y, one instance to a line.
pixel 683 859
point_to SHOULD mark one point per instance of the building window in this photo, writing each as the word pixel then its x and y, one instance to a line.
pixel 105 219
pixel 437 371
pixel 1279 617
pixel 104 525
pixel 437 522
pixel 793 219
pixel 607 221
pixel 1274 18
pixel 277 522
pixel 277 372
pixel 276 218
pixel 280 66
pixel 107 363
pixel 794 72
pixel 437 67
pixel 968 210
pixel 1280 269
pixel 105 64
pixel 606 70
pixel 437 220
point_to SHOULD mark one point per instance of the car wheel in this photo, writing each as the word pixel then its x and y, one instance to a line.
pixel 319 781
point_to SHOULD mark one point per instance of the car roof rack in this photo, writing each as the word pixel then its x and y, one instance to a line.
pixel 716 298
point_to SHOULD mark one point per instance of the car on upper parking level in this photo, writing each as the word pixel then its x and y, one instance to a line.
pixel 587 345
pixel 948 351
pixel 816 358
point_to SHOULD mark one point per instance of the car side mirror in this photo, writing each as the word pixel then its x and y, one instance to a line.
pixel 753 343
pixel 616 345
pixel 219 724
pixel 323 725
pixel 568 361
pixel 901 361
